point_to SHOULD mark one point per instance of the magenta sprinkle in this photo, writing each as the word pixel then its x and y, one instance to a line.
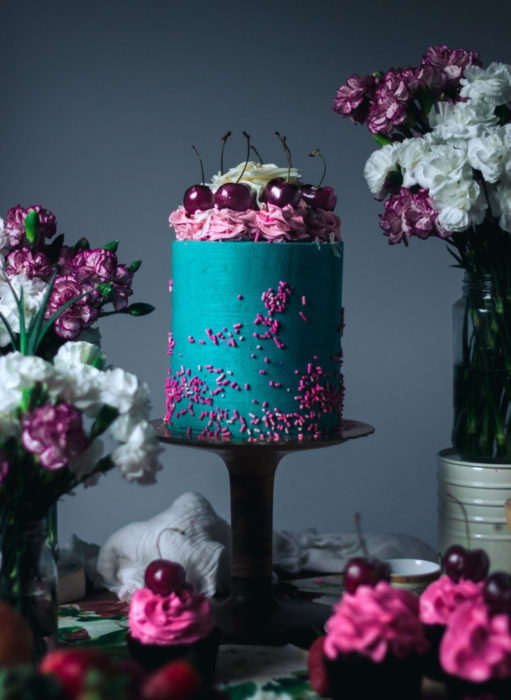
pixel 263 371
pixel 267 360
pixel 232 343
pixel 304 301
pixel 191 339
pixel 255 401
pixel 240 296
pixel 302 315
pixel 247 386
pixel 202 342
pixel 252 355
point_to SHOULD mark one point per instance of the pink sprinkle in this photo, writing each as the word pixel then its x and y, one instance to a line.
pixel 304 301
pixel 237 325
pixel 303 316
pixel 265 404
pixel 255 402
pixel 247 386
pixel 267 360
pixel 252 355
pixel 214 339
pixel 278 343
pixel 240 296
pixel 217 391
pixel 188 432
pixel 191 339
pixel 232 343
pixel 262 371
pixel 202 342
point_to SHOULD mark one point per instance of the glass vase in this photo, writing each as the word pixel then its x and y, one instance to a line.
pixel 482 369
pixel 28 578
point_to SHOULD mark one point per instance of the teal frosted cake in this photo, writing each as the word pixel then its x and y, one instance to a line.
pixel 256 310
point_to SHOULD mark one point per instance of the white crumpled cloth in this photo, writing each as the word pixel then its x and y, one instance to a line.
pixel 199 540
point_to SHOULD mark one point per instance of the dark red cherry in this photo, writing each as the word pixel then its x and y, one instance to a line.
pixel 454 562
pixel 319 197
pixel 164 577
pixel 476 565
pixel 280 192
pixel 359 571
pixel 497 592
pixel 198 198
pixel 236 196
pixel 381 570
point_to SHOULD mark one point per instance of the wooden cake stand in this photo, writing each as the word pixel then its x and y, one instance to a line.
pixel 252 614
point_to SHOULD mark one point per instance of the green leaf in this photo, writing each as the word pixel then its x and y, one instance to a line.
pixel 32 225
pixel 112 246
pixel 139 309
pixel 82 244
pixel 240 691
pixel 382 140
pixel 35 326
pixel 105 288
pixel 58 313
pixel 23 330
pixel 135 266
pixel 104 419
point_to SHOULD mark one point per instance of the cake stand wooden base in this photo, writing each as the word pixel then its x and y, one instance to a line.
pixel 252 614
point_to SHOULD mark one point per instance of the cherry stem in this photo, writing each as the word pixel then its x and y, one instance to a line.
pixel 317 152
pixel 247 136
pixel 257 154
pixel 358 528
pixel 465 516
pixel 224 140
pixel 200 161
pixel 287 153
pixel 166 529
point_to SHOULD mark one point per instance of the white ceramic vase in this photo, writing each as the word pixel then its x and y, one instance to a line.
pixel 483 488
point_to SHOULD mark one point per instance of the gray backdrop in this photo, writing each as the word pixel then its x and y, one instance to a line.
pixel 100 104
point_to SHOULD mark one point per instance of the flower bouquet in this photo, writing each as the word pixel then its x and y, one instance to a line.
pixel 55 418
pixel 61 289
pixel 444 170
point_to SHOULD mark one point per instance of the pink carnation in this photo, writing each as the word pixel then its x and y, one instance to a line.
pixel 80 315
pixel 450 63
pixel 28 262
pixel 55 434
pixel 352 98
pixel 477 646
pixel 410 214
pixel 388 108
pixel 14 226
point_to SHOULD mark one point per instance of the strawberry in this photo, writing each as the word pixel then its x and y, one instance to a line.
pixel 317 668
pixel 177 680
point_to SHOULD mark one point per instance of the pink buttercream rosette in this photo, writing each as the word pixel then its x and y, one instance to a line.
pixel 270 223
pixel 442 597
pixel 477 646
pixel 376 622
pixel 179 618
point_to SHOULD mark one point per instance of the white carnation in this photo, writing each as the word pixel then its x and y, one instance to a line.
pixel 460 205
pixel 500 202
pixel 489 154
pixel 411 154
pixel 81 386
pixel 442 166
pixel 17 373
pixel 4 238
pixel 137 459
pixel 120 389
pixel 77 353
pixel 257 175
pixel 493 84
pixel 464 120
pixel 378 166
pixel 33 294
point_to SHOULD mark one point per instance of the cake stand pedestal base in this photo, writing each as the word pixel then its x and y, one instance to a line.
pixel 252 614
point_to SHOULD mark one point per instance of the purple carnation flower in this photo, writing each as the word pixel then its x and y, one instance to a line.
pixel 388 108
pixel 79 315
pixel 121 288
pixel 352 98
pixel 410 214
pixel 4 466
pixel 32 264
pixel 14 225
pixel 55 434
pixel 450 63
pixel 95 266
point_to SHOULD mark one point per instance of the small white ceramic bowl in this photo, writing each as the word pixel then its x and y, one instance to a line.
pixel 413 574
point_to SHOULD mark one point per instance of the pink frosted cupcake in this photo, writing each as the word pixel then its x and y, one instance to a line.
pixel 167 620
pixel 374 637
pixel 436 605
pixel 475 652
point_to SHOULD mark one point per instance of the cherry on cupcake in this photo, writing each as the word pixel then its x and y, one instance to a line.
pixel 198 197
pixel 460 562
pixel 497 593
pixel 320 196
pixel 164 577
pixel 364 571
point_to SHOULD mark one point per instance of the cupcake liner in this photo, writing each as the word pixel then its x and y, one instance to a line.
pixel 202 654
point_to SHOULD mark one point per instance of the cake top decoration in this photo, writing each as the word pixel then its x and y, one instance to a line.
pixel 256 201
